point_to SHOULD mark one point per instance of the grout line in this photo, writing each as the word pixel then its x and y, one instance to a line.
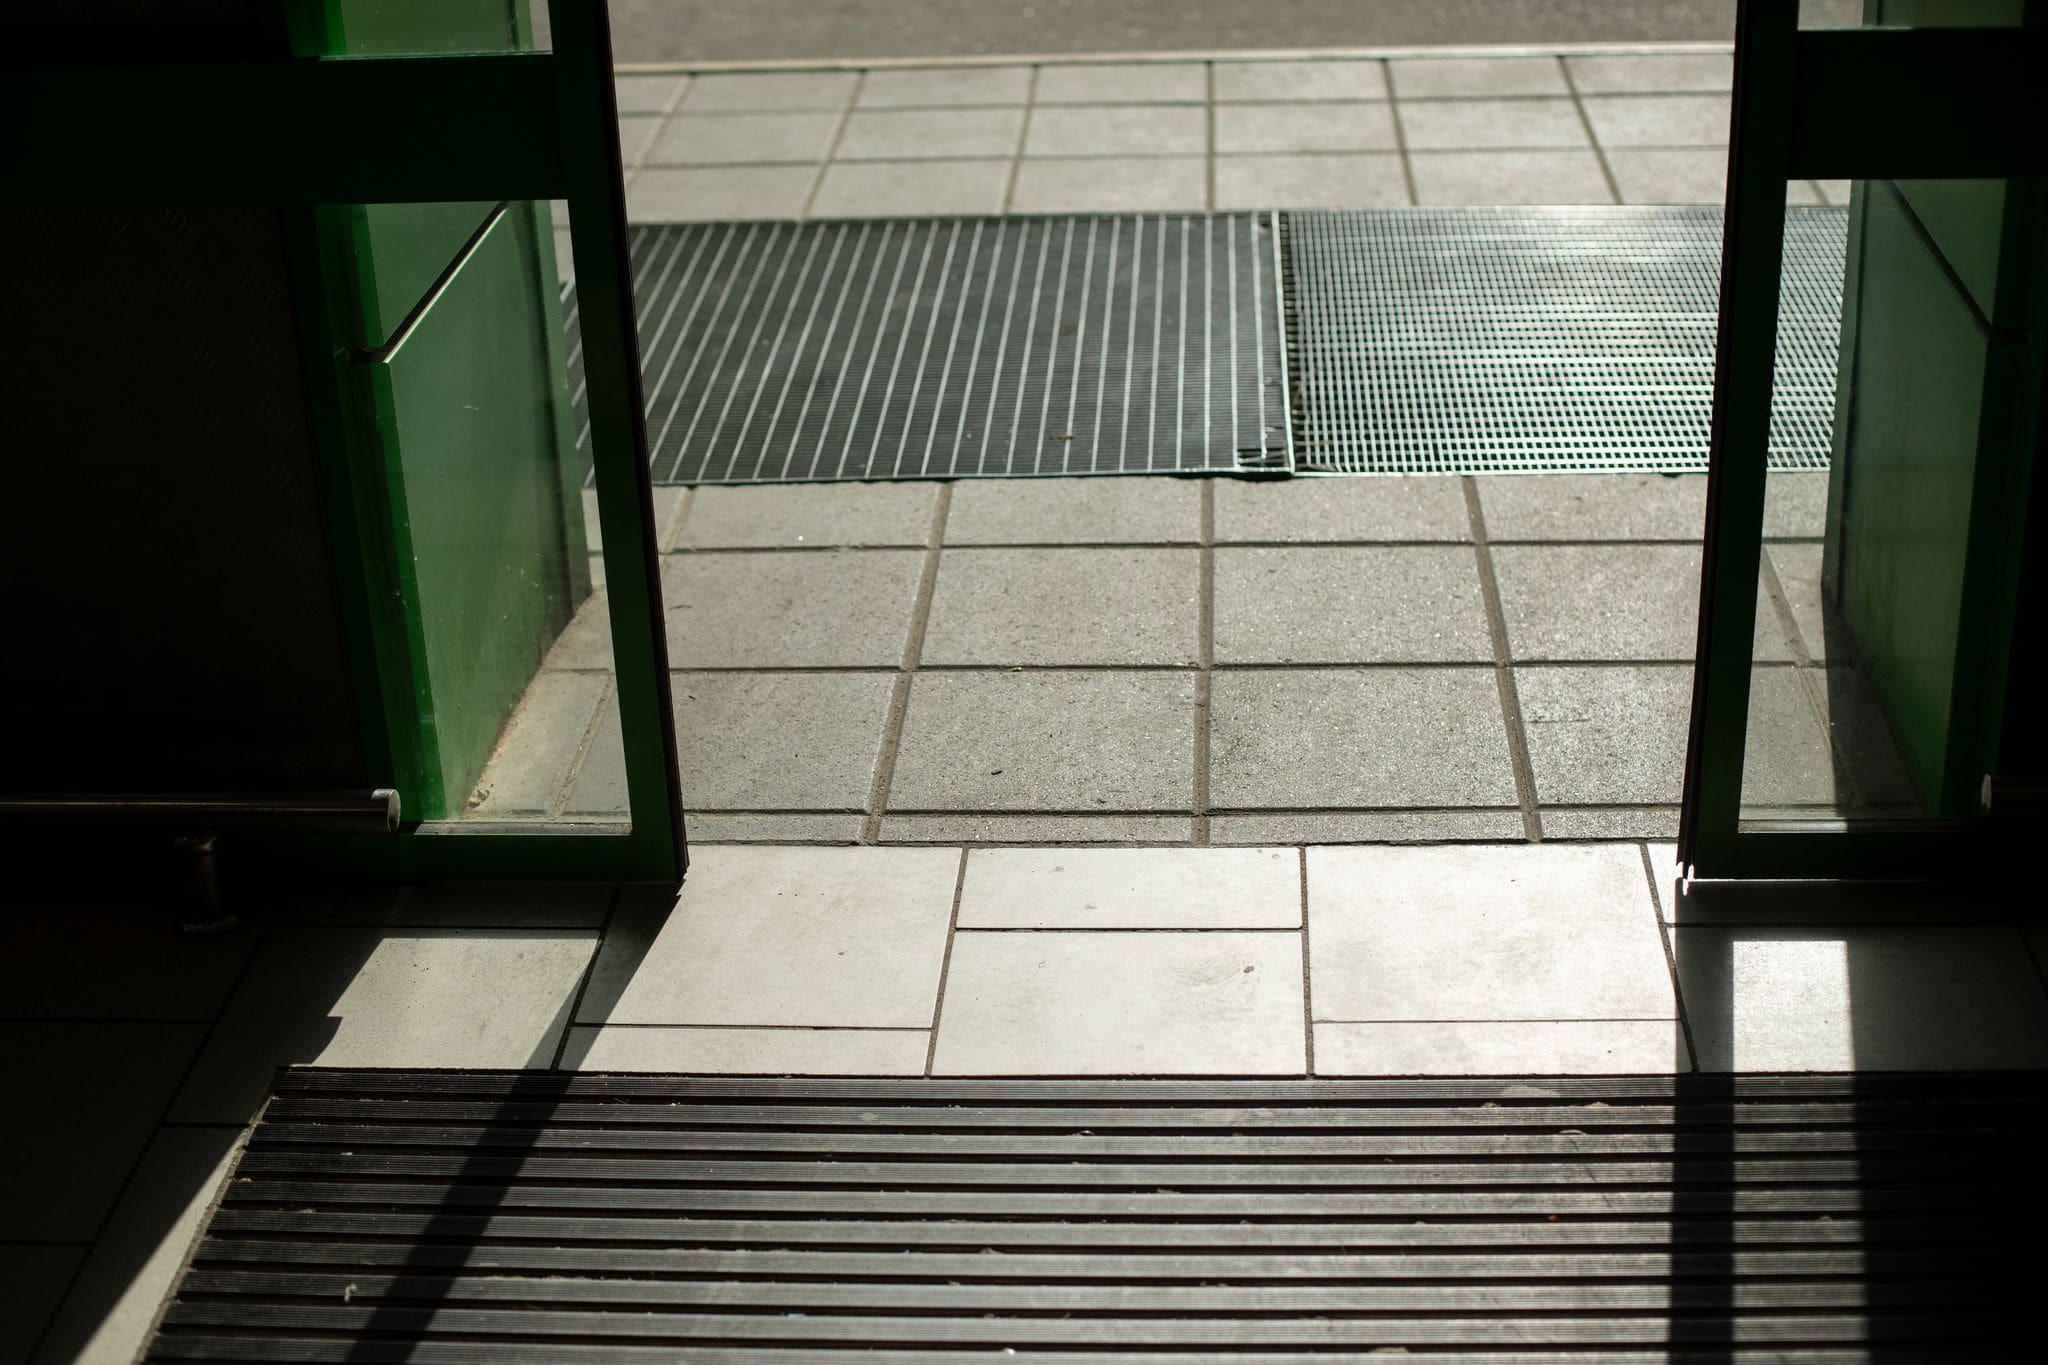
pixel 1023 135
pixel 1586 122
pixel 1308 1013
pixel 913 647
pixel 832 148
pixel 931 1051
pixel 1503 671
pixel 1209 135
pixel 1400 134
pixel 1692 1051
pixel 1206 659
pixel 604 930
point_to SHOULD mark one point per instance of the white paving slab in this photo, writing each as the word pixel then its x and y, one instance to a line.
pixel 1122 1003
pixel 1578 1047
pixel 1136 888
pixel 750 1051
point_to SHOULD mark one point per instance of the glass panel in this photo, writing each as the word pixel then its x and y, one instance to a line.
pixel 464 386
pixel 1871 654
pixel 416 28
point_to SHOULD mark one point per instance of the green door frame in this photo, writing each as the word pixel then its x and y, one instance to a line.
pixel 529 126
pixel 1847 104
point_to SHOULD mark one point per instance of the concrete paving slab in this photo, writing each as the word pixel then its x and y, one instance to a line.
pixel 1368 827
pixel 1365 180
pixel 911 189
pixel 1456 179
pixel 925 134
pixel 1659 120
pixel 840 937
pixel 1165 184
pixel 1327 604
pixel 91 951
pixel 1305 127
pixel 1074 511
pixel 1152 888
pixel 740 139
pixel 711 827
pixel 750 1051
pixel 1490 124
pixel 728 92
pixel 1065 606
pixel 530 768
pixel 1047 740
pixel 717 194
pixel 1475 77
pixel 811 514
pixel 1606 735
pixel 1670 175
pixel 1609 822
pixel 790 609
pixel 1867 999
pixel 1256 82
pixel 1114 1003
pixel 649 94
pixel 386 997
pixel 1337 509
pixel 1551 1047
pixel 778 741
pixel 1707 73
pixel 1116 130
pixel 1603 602
pixel 1123 83
pixel 1593 506
pixel 1101 830
pixel 1500 933
pixel 943 87
pixel 1351 738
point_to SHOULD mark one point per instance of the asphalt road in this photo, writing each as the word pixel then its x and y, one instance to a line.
pixel 812 30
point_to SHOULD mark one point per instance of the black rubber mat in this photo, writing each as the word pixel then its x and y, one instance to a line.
pixel 923 348
pixel 1533 340
pixel 451 1216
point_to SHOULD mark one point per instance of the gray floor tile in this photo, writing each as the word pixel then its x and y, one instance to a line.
pixel 1328 604
pixel 1418 508
pixel 89 1095
pixel 1593 506
pixel 1833 191
pixel 729 91
pixel 945 86
pixel 1454 179
pixel 1795 504
pixel 387 997
pixel 1167 184
pixel 1368 827
pixel 911 189
pixel 108 1314
pixel 1260 82
pixel 1357 738
pixel 1567 1047
pixel 1074 511
pixel 1065 606
pixel 742 139
pixel 1367 180
pixel 1483 124
pixel 1322 127
pixel 1787 759
pixel 1135 888
pixel 1527 931
pixel 36 1277
pixel 586 642
pixel 1122 1004
pixel 713 828
pixel 923 134
pixel 1709 73
pixel 1658 120
pixel 1123 83
pixel 790 608
pixel 1877 999
pixel 1600 602
pixel 1670 175
pixel 84 952
pixel 779 741
pixel 1606 736
pixel 1107 830
pixel 636 135
pixel 790 515
pixel 750 1051
pixel 839 937
pixel 648 94
pixel 1117 130
pixel 1610 822
pixel 1469 77
pixel 717 194
pixel 1047 741
pixel 529 771
pixel 1798 571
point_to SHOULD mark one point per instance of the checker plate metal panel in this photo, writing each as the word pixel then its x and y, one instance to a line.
pixel 901 349
pixel 1501 340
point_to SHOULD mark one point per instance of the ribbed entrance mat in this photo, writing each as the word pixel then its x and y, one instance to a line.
pixel 463 1216
pixel 1537 340
pixel 943 348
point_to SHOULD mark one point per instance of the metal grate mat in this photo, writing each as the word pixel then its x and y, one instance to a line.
pixel 958 347
pixel 1496 340
pixel 462 1216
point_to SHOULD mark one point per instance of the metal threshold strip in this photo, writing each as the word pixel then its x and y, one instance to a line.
pixel 473 1216
pixel 1382 341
